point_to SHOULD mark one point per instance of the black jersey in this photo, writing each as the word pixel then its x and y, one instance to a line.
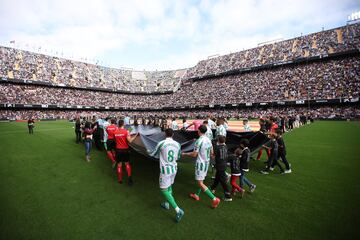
pixel 221 156
pixel 281 145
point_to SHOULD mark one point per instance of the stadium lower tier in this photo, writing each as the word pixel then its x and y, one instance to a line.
pixel 326 112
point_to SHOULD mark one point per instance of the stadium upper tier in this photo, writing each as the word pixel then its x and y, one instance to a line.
pixel 24 65
pixel 318 44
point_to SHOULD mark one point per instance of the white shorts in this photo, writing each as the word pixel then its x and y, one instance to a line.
pixel 200 175
pixel 166 180
pixel 201 170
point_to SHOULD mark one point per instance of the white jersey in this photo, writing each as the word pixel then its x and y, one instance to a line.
pixel 209 133
pixel 174 125
pixel 185 125
pixel 211 123
pixel 169 153
pixel 127 120
pixel 226 126
pixel 220 130
pixel 105 124
pixel 203 147
pixel 247 128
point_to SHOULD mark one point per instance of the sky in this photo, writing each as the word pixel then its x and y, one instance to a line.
pixel 160 34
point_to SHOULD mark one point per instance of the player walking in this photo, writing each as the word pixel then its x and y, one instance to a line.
pixel 202 151
pixel 122 138
pixel 169 153
pixel 174 124
pixel 110 142
pixel 31 125
pixel 220 129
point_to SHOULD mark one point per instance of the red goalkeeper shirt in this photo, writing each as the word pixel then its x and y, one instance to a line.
pixel 121 138
pixel 110 131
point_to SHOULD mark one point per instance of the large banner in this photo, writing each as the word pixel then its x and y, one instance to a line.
pixel 149 137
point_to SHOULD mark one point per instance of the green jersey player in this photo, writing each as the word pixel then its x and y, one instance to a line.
pixel 220 129
pixel 209 132
pixel 202 151
pixel 174 124
pixel 169 152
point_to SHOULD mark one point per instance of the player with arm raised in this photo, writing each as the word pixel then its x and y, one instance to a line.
pixel 169 153
pixel 202 151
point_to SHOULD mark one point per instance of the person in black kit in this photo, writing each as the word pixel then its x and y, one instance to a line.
pixel 263 129
pixel 97 135
pixel 282 151
pixel 243 154
pixel 78 130
pixel 282 124
pixel 274 148
pixel 291 123
pixel 221 155
pixel 31 125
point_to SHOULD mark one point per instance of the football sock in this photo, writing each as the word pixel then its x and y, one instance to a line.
pixel 119 172
pixel 128 169
pixel 170 190
pixel 259 154
pixel 234 184
pixel 198 192
pixel 177 209
pixel 110 156
pixel 209 193
pixel 169 198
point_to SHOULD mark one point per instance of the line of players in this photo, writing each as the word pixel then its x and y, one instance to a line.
pixel 206 148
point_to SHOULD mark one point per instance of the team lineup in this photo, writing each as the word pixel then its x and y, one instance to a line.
pixel 210 152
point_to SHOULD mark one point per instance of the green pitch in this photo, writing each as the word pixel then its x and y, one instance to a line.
pixel 48 191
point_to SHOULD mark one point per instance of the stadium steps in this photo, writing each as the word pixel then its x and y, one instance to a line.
pixel 339 33
pixel 294 46
pixel 10 74
pixel 261 53
pixel 307 53
pixel 314 43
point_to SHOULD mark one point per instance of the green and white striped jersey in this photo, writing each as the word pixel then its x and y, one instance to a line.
pixel 211 123
pixel 169 153
pixel 174 125
pixel 203 147
pixel 209 133
pixel 220 130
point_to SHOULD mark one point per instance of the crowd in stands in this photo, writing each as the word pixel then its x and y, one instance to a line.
pixel 318 80
pixel 24 65
pixel 317 44
pixel 326 79
pixel 326 112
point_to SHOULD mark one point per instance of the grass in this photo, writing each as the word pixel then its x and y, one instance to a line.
pixel 48 191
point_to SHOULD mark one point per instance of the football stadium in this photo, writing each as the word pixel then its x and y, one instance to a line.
pixel 259 141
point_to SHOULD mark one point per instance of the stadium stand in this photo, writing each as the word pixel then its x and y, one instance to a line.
pixel 316 69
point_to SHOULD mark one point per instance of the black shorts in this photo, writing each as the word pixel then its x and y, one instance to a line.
pixel 110 144
pixel 122 155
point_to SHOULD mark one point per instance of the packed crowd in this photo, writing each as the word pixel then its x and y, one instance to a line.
pixel 318 80
pixel 24 65
pixel 320 43
pixel 336 112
